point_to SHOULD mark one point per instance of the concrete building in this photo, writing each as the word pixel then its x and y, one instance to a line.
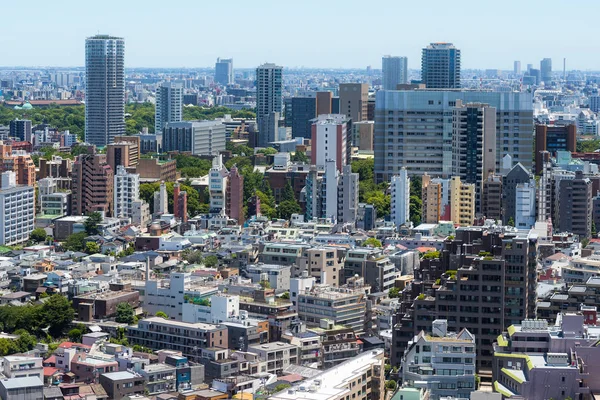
pixel 324 103
pixel 217 186
pixel 442 362
pixel 20 128
pixel 278 276
pixel 22 389
pixel 354 99
pixel 198 137
pixel 525 203
pixel 126 192
pixel 400 198
pixel 491 197
pixel 394 72
pixel 362 135
pixel 371 264
pixel 440 66
pixel 347 196
pixel 517 175
pixel 435 196
pixel 18 161
pixel 552 139
pixel 330 141
pixel 278 355
pixel 575 205
pixel 124 151
pixel 104 89
pixel 594 104
pixel 123 383
pixel 473 145
pixel 234 196
pixel 224 71
pixel 92 183
pixel 324 264
pixel 359 377
pixel 517 68
pixel 303 111
pixel 23 367
pixel 462 202
pixel 169 104
pixel 180 211
pixel 17 210
pixel 159 377
pixel 546 71
pixel 269 102
pixel 157 170
pixel 161 201
pixel 401 139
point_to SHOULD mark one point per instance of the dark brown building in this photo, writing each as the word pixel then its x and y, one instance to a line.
pixel 574 211
pixel 296 176
pixel 92 185
pixel 324 102
pixel 102 305
pixel 151 169
pixel 55 168
pixel 123 383
pixel 124 151
pixel 491 197
pixel 553 139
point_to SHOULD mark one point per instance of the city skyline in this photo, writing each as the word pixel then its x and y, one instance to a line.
pixel 60 44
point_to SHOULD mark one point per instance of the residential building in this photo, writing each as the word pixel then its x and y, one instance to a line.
pixel 17 210
pixel 303 111
pixel 347 195
pixel 574 209
pixel 126 192
pixel 324 264
pixel 104 89
pixel 123 383
pixel 278 276
pixel 491 197
pixel 180 203
pixel 552 139
pixel 22 389
pixel 161 201
pixel 400 198
pixel 366 216
pixel 217 187
pixel 594 103
pixel 52 202
pixel 525 203
pixel 23 367
pixel 224 71
pixel 440 66
pixel 473 145
pixel 92 185
pixel 428 148
pixel 462 202
pixel 159 377
pixel 21 129
pixel 324 100
pixel 57 167
pixel 279 355
pixel 330 141
pixel 359 377
pixel 124 151
pixel 354 98
pixel 269 102
pixel 339 343
pixel 157 170
pixel 18 161
pixel 328 195
pixel 169 104
pixel 517 175
pixel 234 196
pixel 546 71
pixel 371 264
pixel 442 362
pixel 362 135
pixel 435 195
pixel 198 137
pixel 394 72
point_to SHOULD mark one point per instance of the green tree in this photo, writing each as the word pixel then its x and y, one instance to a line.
pixel 75 242
pixel 26 341
pixel 394 293
pixel 162 314
pixel 511 222
pixel 373 242
pixel 364 168
pixel 390 385
pixel 300 157
pixel 91 223
pixel 75 335
pixel 285 296
pixel 267 151
pixel 265 284
pixel 211 261
pixel 286 208
pixel 92 248
pixel 38 235
pixel 194 257
pixel 288 193
pixel 58 314
pixel 281 387
pixel 125 314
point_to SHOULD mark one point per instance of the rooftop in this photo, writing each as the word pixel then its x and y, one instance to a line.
pixel 121 375
pixel 17 383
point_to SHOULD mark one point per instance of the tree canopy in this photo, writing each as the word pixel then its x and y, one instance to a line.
pixel 125 314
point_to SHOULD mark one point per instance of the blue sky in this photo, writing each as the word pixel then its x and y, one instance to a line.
pixel 309 33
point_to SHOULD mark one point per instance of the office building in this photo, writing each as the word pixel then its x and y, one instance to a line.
pixel 574 209
pixel 536 76
pixel 400 198
pixel 21 129
pixel 347 196
pixel 552 139
pixel 329 140
pixel 104 89
pixel 430 355
pixel 362 135
pixel 401 140
pixel 17 210
pixel 303 111
pixel 169 104
pixel 394 72
pixel 126 192
pixel 546 70
pixel 234 201
pixel 491 197
pixel 92 183
pixel 125 151
pixel 204 138
pixel 224 71
pixel 324 100
pixel 517 175
pixel 517 68
pixel 269 102
pixel 462 202
pixel 359 377
pixel 595 103
pixel 473 145
pixel 440 66
pixel 353 101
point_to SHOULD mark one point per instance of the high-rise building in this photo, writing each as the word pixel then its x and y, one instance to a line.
pixel 180 203
pixel 491 197
pixel 269 102
pixel 161 201
pixel 552 139
pixel 329 140
pixel 92 183
pixel 400 198
pixel 126 191
pixel 18 161
pixel 525 202
pixel 104 89
pixel 440 66
pixel 21 129
pixel 595 103
pixel 304 110
pixel 204 138
pixel 235 196
pixel 347 195
pixel 517 68
pixel 354 99
pixel 431 196
pixel 473 144
pixel 124 151
pixel 224 71
pixel 169 104
pixel 312 194
pixel 217 186
pixel 462 202
pixel 546 70
pixel 362 135
pixel 575 205
pixel 517 175
pixel 429 148
pixel 394 71
pixel 17 210
pixel 329 191
pixel 324 103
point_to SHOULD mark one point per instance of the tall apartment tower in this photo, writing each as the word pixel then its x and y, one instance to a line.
pixel 169 105
pixel 491 197
pixel 546 70
pixel 234 202
pixel 473 144
pixel 517 175
pixel 517 68
pixel 440 66
pixel 354 100
pixel 553 139
pixel 347 195
pixel 21 129
pixel 462 202
pixel 224 71
pixel 329 140
pixel 400 201
pixel 324 100
pixel 92 185
pixel 394 71
pixel 218 186
pixel 575 205
pixel 104 89
pixel 180 203
pixel 126 192
pixel 269 102
pixel 17 210
pixel 161 201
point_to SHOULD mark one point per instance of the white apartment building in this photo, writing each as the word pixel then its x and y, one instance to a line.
pixel 329 140
pixel 400 198
pixel 217 185
pixel 17 210
pixel 23 367
pixel 278 355
pixel 126 191
pixel 525 205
